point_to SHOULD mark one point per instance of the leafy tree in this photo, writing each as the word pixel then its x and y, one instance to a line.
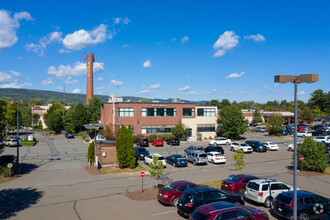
pixel 239 158
pixel 306 115
pixel 232 122
pixel 179 130
pixel 144 100
pixel 224 102
pixel 3 109
pixel 318 100
pixel 52 101
pixel 6 99
pixel 124 146
pixel 91 152
pixel 156 168
pixel 37 101
pixel 94 109
pixel 76 117
pixel 327 104
pixel 54 118
pixel 25 116
pixel 36 119
pixel 110 132
pixel 214 102
pixel 257 117
pixel 11 116
pixel 318 112
pixel 275 124
pixel 315 157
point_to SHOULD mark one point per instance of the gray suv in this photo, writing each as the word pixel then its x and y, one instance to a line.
pixel 197 157
pixel 193 148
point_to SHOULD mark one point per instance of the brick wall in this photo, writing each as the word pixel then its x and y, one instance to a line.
pixel 109 149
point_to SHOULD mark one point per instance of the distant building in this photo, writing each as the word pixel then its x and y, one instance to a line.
pixel 265 114
pixel 41 111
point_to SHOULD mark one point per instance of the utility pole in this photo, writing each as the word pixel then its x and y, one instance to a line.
pixel 17 159
pixel 64 108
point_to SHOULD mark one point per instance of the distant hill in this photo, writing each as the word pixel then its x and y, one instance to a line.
pixel 28 94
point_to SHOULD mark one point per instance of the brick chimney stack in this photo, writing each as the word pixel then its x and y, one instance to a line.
pixel 89 90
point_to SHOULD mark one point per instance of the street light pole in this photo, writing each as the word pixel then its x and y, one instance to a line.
pixel 308 78
pixel 17 159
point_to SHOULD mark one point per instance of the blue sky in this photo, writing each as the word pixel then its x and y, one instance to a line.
pixel 195 50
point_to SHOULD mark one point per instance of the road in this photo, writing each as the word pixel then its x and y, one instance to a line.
pixel 55 184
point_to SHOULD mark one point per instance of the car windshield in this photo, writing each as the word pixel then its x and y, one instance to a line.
pixel 141 150
pixel 169 187
pixel 272 143
pixel 203 155
pixel 244 145
pixel 217 155
pixel 283 199
pixel 199 216
pixel 160 158
pixel 179 157
pixel 234 179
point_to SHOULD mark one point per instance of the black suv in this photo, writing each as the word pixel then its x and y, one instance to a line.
pixel 69 134
pixel 257 146
pixel 193 198
pixel 144 142
pixel 309 206
pixel 140 153
pixel 173 141
pixel 214 148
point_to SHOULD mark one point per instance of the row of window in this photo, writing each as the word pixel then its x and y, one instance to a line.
pixel 165 112
pixel 155 129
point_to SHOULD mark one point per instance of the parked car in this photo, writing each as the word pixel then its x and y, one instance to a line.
pixel 319 127
pixel 216 157
pixel 177 160
pixel 11 142
pixel 219 141
pixel 309 205
pixel 257 146
pixel 320 132
pixel 243 146
pixel 259 129
pixel 170 194
pixel 302 128
pixel 69 134
pixel 157 142
pixel 140 153
pixel 265 190
pixel 149 159
pixel 271 146
pixel 197 157
pixel 227 210
pixel 7 158
pixel 1 144
pixel 325 139
pixel 304 134
pixel 291 147
pixel 193 198
pixel 143 142
pixel 173 141
pixel 237 183
pixel 214 148
pixel 193 148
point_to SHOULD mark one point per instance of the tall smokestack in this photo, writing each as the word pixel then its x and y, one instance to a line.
pixel 89 90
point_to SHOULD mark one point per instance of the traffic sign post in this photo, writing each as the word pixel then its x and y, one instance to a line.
pixel 302 159
pixel 9 165
pixel 302 164
pixel 142 174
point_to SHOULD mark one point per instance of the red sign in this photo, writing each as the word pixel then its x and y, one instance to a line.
pixel 142 174
pixel 301 159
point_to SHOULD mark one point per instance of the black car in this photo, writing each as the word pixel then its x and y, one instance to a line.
pixel 320 133
pixel 143 142
pixel 309 205
pixel 8 158
pixel 257 146
pixel 214 148
pixel 193 198
pixel 140 153
pixel 69 134
pixel 177 160
pixel 173 141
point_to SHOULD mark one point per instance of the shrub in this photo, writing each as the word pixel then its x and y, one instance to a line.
pixel 152 137
pixel 28 143
pixel 91 152
pixel 124 147
pixel 4 170
pixel 315 157
pixel 136 137
pixel 156 169
pixel 210 138
pixel 199 136
pixel 239 158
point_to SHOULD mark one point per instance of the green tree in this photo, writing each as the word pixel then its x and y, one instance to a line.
pixel 156 168
pixel 54 118
pixel 11 116
pixel 275 124
pixel 36 119
pixel 257 117
pixel 25 115
pixel 144 100
pixel 214 102
pixel 124 147
pixel 179 130
pixel 91 152
pixel 94 109
pixel 318 100
pixel 224 102
pixel 37 101
pixel 76 117
pixel 232 122
pixel 307 115
pixel 315 157
pixel 52 101
pixel 3 110
pixel 239 158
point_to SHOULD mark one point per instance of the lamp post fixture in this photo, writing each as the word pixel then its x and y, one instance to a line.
pixel 304 78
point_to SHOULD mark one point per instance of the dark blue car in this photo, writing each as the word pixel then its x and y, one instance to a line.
pixel 309 206
pixel 177 160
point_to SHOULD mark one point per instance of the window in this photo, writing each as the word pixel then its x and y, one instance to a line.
pixel 126 112
pixel 264 187
pixel 182 188
pixel 309 200
pixel 153 129
pixel 188 112
pixel 158 112
pixel 240 214
pixel 170 112
pixel 219 195
pixel 205 127
pixel 206 112
pixel 226 215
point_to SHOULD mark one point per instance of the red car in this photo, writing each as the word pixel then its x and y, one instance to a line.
pixel 227 210
pixel 237 183
pixel 157 142
pixel 170 193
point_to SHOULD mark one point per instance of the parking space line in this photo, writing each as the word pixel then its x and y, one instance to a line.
pixel 163 213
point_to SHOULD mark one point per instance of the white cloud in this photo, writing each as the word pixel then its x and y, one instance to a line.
pixel 256 38
pixel 235 75
pixel 155 86
pixel 76 91
pixel 15 85
pixel 43 42
pixel 8 27
pixel 116 83
pixel 116 20
pixel 100 79
pixel 4 77
pixel 78 69
pixel 126 45
pixel 187 76
pixel 113 75
pixel 143 92
pixel 192 93
pixel 99 88
pixel 17 74
pixel 265 86
pixel 173 39
pixel 276 85
pixel 126 20
pixel 47 82
pixel 184 88
pixel 147 64
pixel 59 88
pixel 68 81
pixel 225 42
pixel 64 51
pixel 301 93
pixel 242 92
pixel 184 39
pixel 211 92
pixel 82 38
pixel 121 20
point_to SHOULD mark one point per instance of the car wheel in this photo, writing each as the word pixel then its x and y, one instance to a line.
pixel 174 164
pixel 303 216
pixel 268 202
pixel 212 161
pixel 194 162
pixel 242 193
pixel 227 143
pixel 231 149
pixel 268 148
pixel 175 202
